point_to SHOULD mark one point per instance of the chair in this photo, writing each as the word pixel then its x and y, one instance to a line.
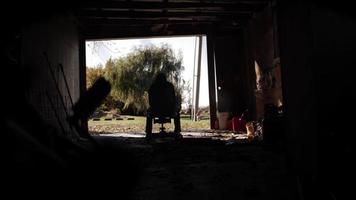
pixel 155 118
pixel 162 120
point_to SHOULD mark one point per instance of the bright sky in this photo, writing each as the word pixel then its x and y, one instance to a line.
pixel 99 54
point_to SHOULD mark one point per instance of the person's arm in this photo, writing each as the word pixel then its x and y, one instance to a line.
pixel 172 93
pixel 175 99
pixel 150 96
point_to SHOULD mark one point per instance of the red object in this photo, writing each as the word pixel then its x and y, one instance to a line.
pixel 238 124
pixel 229 125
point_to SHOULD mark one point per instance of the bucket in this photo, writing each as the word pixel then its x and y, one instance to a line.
pixel 238 124
pixel 229 125
pixel 223 120
pixel 216 124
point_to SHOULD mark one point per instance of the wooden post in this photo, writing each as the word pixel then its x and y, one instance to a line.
pixel 197 89
pixel 211 79
pixel 82 76
pixel 193 82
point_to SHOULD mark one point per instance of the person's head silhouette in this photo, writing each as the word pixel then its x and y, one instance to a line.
pixel 161 77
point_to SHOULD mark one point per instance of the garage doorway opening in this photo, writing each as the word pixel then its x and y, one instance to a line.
pixel 128 64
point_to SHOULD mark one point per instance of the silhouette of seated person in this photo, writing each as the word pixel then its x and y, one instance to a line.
pixel 163 104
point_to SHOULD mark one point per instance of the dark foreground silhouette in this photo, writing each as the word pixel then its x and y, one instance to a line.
pixel 37 159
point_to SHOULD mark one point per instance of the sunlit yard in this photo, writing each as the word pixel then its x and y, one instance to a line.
pixel 136 124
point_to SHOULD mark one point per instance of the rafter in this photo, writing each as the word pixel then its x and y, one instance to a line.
pixel 252 5
pixel 137 14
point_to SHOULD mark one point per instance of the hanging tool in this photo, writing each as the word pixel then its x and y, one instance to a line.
pixel 59 92
pixel 66 83
pixel 56 84
pixel 55 113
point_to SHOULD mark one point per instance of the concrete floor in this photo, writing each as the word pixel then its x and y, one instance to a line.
pixel 205 168
pixel 214 135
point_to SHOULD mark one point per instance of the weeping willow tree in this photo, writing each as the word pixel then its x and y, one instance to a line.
pixel 132 75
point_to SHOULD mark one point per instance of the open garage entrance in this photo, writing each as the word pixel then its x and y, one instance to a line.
pixel 121 114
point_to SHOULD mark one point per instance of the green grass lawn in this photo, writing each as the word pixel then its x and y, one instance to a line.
pixel 139 123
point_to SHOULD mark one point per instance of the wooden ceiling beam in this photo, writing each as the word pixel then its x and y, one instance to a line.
pixel 110 32
pixel 120 22
pixel 252 5
pixel 135 14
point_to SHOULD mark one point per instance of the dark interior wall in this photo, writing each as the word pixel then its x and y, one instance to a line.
pixel 227 62
pixel 261 30
pixel 57 37
pixel 235 92
pixel 235 56
pixel 261 50
pixel 317 45
pixel 298 86
pixel 334 47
